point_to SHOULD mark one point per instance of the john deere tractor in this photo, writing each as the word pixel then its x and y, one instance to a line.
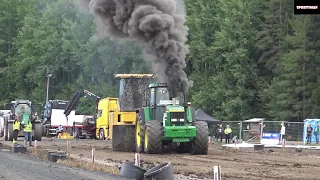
pixel 169 121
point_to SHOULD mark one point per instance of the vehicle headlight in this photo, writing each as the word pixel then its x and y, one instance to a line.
pixel 174 120
pixel 182 120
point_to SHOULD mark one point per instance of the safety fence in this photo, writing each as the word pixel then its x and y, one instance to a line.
pixel 293 131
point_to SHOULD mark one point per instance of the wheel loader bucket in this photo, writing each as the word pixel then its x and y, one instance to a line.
pixel 123 138
pixel 132 93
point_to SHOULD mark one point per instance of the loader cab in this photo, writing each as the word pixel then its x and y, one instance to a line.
pixel 163 108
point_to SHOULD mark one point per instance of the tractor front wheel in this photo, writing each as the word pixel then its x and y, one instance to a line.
pixel 200 142
pixel 153 137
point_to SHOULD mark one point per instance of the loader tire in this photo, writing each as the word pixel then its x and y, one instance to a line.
pixel 153 137
pixel 200 143
pixel 10 132
pixel 123 138
pixel 37 132
pixel 139 136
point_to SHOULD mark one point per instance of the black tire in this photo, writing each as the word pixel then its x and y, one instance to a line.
pixel 2 132
pixel 47 133
pixel 76 134
pixel 200 143
pixel 44 131
pixel 37 132
pixel 10 131
pixel 5 134
pixel 101 134
pixel 153 137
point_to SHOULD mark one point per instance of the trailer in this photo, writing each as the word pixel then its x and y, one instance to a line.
pixel 4 116
pixel 53 117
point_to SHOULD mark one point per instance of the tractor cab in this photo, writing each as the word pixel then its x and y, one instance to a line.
pixel 172 112
pixel 22 109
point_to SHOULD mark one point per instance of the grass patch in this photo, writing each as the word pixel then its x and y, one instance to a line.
pixel 90 166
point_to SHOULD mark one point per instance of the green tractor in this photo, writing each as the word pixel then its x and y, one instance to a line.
pixel 24 109
pixel 166 121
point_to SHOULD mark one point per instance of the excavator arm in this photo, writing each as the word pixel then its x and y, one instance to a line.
pixel 76 97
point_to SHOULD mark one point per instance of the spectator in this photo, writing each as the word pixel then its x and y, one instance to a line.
pixel 16 129
pixel 219 132
pixel 228 132
pixel 317 133
pixel 309 133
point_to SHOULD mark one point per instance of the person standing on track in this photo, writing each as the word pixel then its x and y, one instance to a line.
pixel 27 134
pixel 16 129
pixel 227 132
pixel 219 133
pixel 317 133
pixel 309 133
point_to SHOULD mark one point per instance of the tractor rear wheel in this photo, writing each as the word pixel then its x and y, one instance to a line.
pixel 10 131
pixel 153 137
pixel 200 142
pixel 37 131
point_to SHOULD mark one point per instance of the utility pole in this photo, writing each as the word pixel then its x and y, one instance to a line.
pixel 48 75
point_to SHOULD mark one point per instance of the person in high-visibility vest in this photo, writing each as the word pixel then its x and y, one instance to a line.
pixel 16 129
pixel 27 133
pixel 227 132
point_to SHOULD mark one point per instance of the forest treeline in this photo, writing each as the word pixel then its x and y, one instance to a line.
pixel 247 58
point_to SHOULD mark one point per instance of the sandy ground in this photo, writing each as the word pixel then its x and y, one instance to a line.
pixel 241 163
pixel 17 166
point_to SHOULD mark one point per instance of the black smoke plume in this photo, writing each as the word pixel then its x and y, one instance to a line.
pixel 160 24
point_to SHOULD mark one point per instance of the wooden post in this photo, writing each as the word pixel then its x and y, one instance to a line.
pixel 93 154
pixel 216 172
pixel 137 159
pixel 35 147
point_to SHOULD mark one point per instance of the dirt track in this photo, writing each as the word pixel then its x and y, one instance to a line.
pixel 235 163
pixel 20 166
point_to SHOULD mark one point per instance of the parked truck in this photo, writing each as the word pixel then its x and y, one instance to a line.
pixel 53 117
pixel 87 126
pixel 18 107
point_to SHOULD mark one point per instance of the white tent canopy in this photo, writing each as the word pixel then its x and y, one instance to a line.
pixel 254 120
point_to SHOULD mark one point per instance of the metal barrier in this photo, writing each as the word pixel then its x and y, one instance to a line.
pixel 293 132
